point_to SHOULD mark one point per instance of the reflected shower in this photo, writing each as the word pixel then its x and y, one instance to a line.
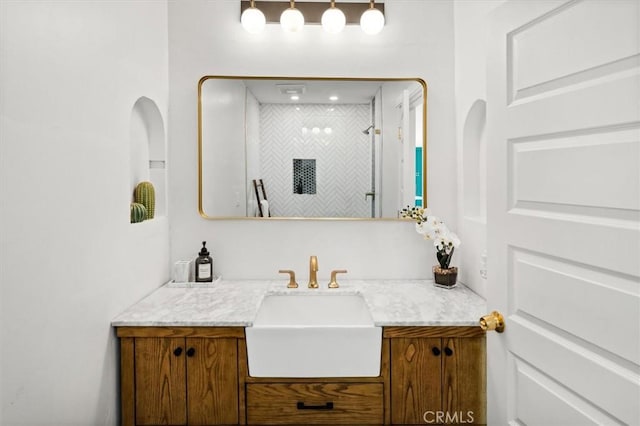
pixel 366 131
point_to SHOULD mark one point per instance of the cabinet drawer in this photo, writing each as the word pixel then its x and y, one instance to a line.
pixel 315 403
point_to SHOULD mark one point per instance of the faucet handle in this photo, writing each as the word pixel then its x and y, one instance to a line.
pixel 334 282
pixel 292 277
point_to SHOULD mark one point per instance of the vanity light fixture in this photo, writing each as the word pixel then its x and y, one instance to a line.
pixel 295 97
pixel 293 16
pixel 292 19
pixel 333 19
pixel 372 20
pixel 252 19
pixel 333 98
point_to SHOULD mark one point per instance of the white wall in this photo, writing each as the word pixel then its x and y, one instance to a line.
pixel 206 38
pixel 471 31
pixel 69 258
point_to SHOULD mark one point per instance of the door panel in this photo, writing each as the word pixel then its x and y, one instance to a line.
pixel 160 381
pixel 594 375
pixel 605 29
pixel 563 126
pixel 212 381
pixel 564 406
pixel 578 172
pixel 547 291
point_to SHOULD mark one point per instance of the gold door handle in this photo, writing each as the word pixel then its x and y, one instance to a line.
pixel 493 321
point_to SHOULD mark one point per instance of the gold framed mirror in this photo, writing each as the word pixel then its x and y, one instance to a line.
pixel 321 148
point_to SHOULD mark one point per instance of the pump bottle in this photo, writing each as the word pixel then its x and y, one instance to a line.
pixel 204 265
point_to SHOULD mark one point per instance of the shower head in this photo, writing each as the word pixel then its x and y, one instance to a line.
pixel 366 131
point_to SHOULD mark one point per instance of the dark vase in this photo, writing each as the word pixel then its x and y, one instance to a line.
pixel 445 277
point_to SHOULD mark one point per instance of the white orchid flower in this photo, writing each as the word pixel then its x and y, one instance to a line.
pixel 441 229
pixel 432 228
pixel 429 234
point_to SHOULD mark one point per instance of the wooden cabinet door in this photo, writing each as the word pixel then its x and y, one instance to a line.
pixel 212 381
pixel 464 379
pixel 438 380
pixel 416 377
pixel 160 372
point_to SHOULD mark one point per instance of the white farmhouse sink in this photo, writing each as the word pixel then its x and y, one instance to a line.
pixel 315 335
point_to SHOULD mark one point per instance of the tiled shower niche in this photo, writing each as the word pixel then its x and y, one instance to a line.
pixel 304 176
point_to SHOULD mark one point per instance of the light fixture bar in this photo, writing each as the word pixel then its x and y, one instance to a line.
pixel 312 11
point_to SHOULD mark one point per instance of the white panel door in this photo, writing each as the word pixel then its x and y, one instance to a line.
pixel 563 134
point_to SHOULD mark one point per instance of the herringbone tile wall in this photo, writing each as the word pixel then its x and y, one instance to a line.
pixel 343 158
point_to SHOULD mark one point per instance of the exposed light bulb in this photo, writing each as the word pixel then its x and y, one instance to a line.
pixel 333 20
pixel 372 21
pixel 253 20
pixel 292 19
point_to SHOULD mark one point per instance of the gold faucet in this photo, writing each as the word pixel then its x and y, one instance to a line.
pixel 313 269
pixel 334 282
pixel 292 277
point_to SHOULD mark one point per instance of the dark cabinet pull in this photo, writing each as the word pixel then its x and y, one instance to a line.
pixel 191 352
pixel 436 351
pixel 177 351
pixel 448 351
pixel 327 406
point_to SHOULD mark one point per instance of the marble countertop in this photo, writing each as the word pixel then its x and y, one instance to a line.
pixel 235 303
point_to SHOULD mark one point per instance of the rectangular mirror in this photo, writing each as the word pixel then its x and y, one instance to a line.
pixel 290 147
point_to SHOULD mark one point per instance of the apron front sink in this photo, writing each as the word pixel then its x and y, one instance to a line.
pixel 314 335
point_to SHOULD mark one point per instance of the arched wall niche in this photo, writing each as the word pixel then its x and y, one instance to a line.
pixel 474 188
pixel 148 150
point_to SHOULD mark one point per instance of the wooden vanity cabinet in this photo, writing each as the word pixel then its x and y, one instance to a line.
pixel 438 375
pixel 179 376
pixel 199 376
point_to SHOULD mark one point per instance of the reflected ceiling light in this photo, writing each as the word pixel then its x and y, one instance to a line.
pixel 333 19
pixel 252 19
pixel 292 19
pixel 328 130
pixel 372 21
pixel 315 130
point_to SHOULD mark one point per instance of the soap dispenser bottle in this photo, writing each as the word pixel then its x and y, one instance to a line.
pixel 204 265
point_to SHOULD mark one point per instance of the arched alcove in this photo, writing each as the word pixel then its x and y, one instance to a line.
pixel 474 188
pixel 148 150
